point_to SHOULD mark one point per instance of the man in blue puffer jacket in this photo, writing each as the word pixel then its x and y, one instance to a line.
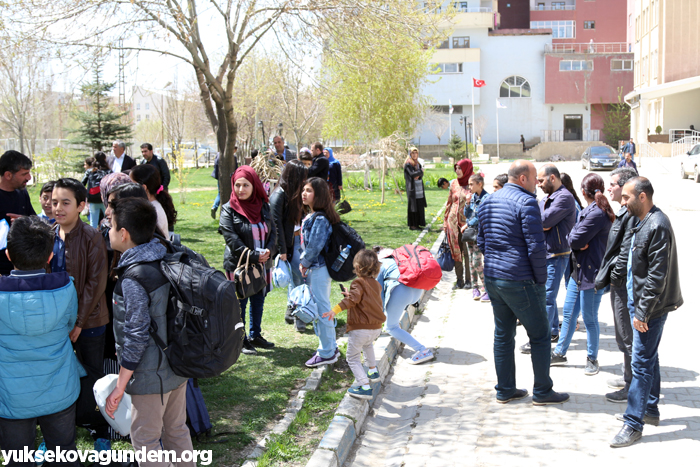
pixel 39 372
pixel 511 237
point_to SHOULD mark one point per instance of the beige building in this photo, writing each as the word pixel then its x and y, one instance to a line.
pixel 665 39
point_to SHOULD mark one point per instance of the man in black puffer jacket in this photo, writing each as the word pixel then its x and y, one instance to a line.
pixel 653 288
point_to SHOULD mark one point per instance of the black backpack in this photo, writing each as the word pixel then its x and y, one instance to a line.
pixel 342 236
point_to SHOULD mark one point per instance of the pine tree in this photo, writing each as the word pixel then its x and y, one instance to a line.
pixel 100 125
pixel 456 147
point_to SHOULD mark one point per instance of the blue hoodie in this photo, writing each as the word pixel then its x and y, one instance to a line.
pixel 39 372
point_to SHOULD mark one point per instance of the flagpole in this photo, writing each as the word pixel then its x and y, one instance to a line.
pixel 498 141
pixel 473 118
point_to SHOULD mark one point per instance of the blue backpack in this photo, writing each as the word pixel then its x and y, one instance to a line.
pixel 302 304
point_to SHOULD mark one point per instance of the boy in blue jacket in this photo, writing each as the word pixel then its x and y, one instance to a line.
pixel 39 372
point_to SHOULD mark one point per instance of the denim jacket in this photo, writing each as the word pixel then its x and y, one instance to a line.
pixel 315 232
pixel 471 209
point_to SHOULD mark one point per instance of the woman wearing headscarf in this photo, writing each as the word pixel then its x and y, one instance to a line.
pixel 246 223
pixel 413 174
pixel 335 174
pixel 455 221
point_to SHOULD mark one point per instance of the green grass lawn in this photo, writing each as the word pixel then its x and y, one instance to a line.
pixel 251 396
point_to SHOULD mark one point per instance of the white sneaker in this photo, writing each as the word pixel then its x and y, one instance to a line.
pixel 422 356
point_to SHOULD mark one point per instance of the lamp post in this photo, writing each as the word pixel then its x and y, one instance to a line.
pixel 261 125
pixel 463 121
pixel 280 126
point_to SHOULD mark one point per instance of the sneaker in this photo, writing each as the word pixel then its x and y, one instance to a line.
pixel 288 318
pixel 213 213
pixel 648 419
pixel 467 286
pixel 248 348
pixel 476 294
pixel 40 449
pixel 555 338
pixel 259 341
pixel 102 444
pixel 458 285
pixel 616 383
pixel 300 325
pixel 485 297
pixel 317 360
pixel 422 356
pixel 553 398
pixel 373 375
pixel 626 437
pixel 519 394
pixel 526 349
pixel 617 396
pixel 558 359
pixel 337 352
pixel 592 367
pixel 359 393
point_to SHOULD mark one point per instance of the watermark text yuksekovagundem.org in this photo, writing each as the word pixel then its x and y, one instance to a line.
pixel 106 457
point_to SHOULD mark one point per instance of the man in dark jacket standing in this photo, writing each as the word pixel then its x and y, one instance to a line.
pixel 653 286
pixel 558 211
pixel 613 273
pixel 515 269
pixel 158 162
pixel 320 165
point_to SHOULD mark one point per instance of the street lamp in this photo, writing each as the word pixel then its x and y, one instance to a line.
pixel 262 128
pixel 280 126
pixel 463 121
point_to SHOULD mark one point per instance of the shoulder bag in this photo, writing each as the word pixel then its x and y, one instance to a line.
pixel 249 278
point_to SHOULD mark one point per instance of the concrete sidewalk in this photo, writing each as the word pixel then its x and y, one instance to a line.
pixel 444 413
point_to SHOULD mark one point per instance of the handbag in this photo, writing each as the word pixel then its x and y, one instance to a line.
pixel 249 278
pixel 444 256
pixel 343 207
pixel 469 235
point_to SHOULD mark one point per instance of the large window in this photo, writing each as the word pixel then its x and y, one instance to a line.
pixel 515 86
pixel 620 65
pixel 460 42
pixel 576 65
pixel 448 68
pixel 558 5
pixel 560 29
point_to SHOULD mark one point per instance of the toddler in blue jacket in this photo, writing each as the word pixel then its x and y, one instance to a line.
pixel 39 372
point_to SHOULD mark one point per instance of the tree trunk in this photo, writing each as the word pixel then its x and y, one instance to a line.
pixel 227 161
pixel 383 175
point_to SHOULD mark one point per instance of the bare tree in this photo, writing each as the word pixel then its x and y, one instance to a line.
pixel 480 125
pixel 301 103
pixel 437 124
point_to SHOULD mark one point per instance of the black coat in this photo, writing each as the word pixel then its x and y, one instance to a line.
pixel 409 174
pixel 279 204
pixel 614 269
pixel 162 166
pixel 656 280
pixel 127 164
pixel 319 167
pixel 238 234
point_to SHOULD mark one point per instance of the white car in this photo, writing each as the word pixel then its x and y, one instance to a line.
pixel 690 162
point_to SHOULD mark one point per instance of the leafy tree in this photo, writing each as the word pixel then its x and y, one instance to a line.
pixel 616 123
pixel 456 147
pixel 100 124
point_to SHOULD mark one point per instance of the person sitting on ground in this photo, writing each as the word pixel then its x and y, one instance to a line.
pixel 443 183
pixel 158 395
pixel 39 372
pixel 365 317
pixel 45 199
pixel 499 182
pixel 148 176
pixel 476 186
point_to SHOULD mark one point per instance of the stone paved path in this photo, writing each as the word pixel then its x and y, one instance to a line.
pixel 444 413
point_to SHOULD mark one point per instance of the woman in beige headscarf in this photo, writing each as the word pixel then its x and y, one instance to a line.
pixel 413 174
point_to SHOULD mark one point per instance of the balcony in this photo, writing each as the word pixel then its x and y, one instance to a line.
pixel 588 48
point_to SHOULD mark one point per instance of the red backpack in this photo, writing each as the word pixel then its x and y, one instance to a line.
pixel 418 268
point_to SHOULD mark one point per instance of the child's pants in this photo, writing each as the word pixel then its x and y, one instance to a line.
pixel 361 340
pixel 153 423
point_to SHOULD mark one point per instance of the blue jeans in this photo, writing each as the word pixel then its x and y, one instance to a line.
pixel 556 267
pixel 576 300
pixel 95 210
pixel 524 301
pixel 645 390
pixel 217 200
pixel 320 284
pixel 257 302
pixel 58 430
pixel 401 296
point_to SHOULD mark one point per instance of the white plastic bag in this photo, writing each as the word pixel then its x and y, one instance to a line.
pixel 122 416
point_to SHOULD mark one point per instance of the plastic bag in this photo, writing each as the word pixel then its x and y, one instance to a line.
pixel 121 422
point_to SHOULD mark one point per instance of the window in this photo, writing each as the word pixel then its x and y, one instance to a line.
pixel 589 25
pixel 138 117
pixel 515 86
pixel 540 6
pixel 448 68
pixel 460 42
pixel 620 65
pixel 148 117
pixel 444 44
pixel 148 106
pixel 445 109
pixel 636 73
pixel 654 64
pixel 560 29
pixel 558 5
pixel 576 65
pixel 461 6
pixel 138 106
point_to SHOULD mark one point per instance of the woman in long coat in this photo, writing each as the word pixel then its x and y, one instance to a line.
pixel 455 220
pixel 413 174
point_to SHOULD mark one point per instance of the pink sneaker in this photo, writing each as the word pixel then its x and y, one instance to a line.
pixel 476 294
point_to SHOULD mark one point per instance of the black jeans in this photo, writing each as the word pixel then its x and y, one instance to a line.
pixel 623 329
pixel 90 352
pixel 58 430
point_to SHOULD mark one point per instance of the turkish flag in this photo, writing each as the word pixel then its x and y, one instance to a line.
pixel 479 83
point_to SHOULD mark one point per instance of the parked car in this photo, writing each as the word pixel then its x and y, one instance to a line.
pixel 689 164
pixel 599 157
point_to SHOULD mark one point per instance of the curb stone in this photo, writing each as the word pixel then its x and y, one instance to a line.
pixel 350 415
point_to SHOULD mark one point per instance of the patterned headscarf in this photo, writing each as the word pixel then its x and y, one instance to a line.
pixel 111 181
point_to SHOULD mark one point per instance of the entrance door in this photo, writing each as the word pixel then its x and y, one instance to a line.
pixel 573 127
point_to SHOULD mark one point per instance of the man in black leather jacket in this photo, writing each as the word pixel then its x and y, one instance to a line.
pixel 654 285
pixel 613 273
